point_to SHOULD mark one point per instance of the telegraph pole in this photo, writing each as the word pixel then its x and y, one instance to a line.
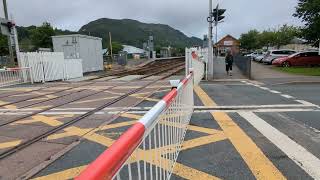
pixel 110 44
pixel 5 9
pixel 210 49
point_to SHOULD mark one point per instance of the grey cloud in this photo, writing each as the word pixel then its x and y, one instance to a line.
pixel 186 15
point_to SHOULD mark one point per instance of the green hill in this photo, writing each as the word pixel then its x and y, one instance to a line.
pixel 135 33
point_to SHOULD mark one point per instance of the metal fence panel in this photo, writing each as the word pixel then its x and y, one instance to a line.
pixel 14 76
pixel 244 64
pixel 51 66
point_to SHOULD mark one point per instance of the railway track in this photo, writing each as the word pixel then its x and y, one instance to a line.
pixel 147 69
pixel 165 71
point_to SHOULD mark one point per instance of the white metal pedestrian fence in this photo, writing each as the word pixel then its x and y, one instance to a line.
pixel 14 76
pixel 51 66
pixel 150 148
pixel 195 59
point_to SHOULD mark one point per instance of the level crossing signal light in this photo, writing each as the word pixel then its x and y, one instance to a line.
pixel 218 14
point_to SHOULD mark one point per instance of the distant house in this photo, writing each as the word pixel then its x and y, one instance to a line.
pixel 133 50
pixel 298 44
pixel 227 43
pixel 166 52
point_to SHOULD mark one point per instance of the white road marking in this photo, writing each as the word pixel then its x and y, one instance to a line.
pixel 275 92
pixel 256 106
pixel 306 103
pixel 259 110
pixel 264 88
pixel 287 96
pixel 301 156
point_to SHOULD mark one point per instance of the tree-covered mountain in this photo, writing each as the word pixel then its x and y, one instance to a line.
pixel 124 31
pixel 135 33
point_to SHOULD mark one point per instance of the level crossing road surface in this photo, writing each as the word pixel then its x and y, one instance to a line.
pixel 239 130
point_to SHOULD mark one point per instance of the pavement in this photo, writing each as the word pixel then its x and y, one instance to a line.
pixel 266 74
pixel 219 70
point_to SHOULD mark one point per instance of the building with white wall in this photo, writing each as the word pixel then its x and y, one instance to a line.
pixel 77 46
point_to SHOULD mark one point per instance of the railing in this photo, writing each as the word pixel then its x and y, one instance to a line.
pixel 51 66
pixel 195 59
pixel 244 64
pixel 14 76
pixel 150 148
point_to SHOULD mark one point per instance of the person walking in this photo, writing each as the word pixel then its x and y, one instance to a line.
pixel 229 62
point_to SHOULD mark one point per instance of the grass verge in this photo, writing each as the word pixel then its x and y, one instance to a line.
pixel 307 71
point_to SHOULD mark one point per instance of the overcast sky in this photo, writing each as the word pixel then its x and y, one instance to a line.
pixel 188 16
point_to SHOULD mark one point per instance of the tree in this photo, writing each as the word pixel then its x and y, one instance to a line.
pixel 116 47
pixel 308 11
pixel 285 34
pixel 267 38
pixel 249 41
pixel 41 36
pixel 4 49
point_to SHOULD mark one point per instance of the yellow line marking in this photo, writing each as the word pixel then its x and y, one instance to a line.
pixel 190 173
pixel 127 87
pixel 150 87
pixel 204 130
pixel 70 131
pixel 259 164
pixel 9 144
pixel 41 107
pixel 10 107
pixel 52 121
pixel 94 100
pixel 116 93
pixel 66 174
pixel 44 98
pixel 3 102
pixel 132 116
pixel 39 93
pixel 202 141
pixel 147 99
pixel 117 125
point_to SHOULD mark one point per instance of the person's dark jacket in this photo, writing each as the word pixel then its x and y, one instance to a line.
pixel 229 59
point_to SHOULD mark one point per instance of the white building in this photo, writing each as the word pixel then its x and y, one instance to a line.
pixel 77 46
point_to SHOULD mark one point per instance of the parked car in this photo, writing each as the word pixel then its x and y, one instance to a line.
pixel 251 54
pixel 299 59
pixel 259 57
pixel 274 54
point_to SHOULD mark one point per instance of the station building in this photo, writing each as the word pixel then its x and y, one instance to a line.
pixel 227 43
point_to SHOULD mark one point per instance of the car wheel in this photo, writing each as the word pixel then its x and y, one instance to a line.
pixel 286 64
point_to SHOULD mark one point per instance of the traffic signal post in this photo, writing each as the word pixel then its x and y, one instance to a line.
pixel 215 16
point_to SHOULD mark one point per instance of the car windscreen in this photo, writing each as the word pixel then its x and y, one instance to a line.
pixel 293 55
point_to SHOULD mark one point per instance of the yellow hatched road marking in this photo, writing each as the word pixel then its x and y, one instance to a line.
pixel 3 102
pixel 9 144
pixel 10 107
pixel 259 164
pixel 132 116
pixel 66 174
pixel 117 125
pixel 52 121
pixel 145 98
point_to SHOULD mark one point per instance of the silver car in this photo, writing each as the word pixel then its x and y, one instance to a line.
pixel 274 54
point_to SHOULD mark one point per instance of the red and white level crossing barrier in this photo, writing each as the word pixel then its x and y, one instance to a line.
pixel 195 59
pixel 14 76
pixel 150 148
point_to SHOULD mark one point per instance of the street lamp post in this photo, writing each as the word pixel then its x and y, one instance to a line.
pixel 5 9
